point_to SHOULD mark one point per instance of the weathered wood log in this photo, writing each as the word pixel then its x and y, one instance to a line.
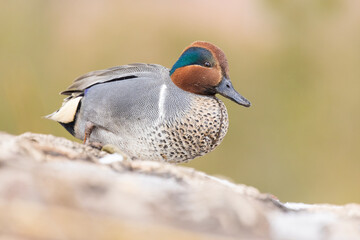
pixel 53 188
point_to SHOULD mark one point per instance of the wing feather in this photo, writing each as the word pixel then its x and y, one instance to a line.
pixel 111 74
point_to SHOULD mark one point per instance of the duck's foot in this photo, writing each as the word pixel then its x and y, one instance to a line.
pixel 96 145
pixel 109 148
pixel 89 127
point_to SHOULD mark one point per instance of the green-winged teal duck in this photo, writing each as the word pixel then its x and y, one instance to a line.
pixel 151 112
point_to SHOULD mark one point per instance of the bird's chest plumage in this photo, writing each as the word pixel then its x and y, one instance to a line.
pixel 194 133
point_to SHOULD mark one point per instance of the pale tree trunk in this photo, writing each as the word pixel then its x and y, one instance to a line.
pixel 52 188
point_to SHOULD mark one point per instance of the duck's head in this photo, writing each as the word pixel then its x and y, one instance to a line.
pixel 203 69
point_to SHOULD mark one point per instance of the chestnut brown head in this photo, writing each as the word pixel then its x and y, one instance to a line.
pixel 203 69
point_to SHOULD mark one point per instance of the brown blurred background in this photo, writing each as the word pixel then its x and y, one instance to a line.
pixel 298 62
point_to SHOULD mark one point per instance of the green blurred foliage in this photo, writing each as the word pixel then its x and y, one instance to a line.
pixel 297 61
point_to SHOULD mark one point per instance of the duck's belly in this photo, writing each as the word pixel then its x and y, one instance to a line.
pixel 194 134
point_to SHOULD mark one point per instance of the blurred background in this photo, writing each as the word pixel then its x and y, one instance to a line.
pixel 297 61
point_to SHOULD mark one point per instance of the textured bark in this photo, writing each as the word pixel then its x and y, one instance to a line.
pixel 53 188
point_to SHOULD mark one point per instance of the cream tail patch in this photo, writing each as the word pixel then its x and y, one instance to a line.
pixel 67 111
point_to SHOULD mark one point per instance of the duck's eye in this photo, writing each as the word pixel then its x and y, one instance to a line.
pixel 207 64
